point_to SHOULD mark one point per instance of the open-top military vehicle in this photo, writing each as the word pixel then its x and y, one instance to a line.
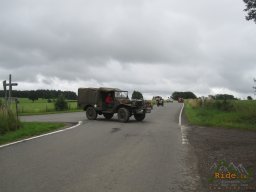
pixel 92 100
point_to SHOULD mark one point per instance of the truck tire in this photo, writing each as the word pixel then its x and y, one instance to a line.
pixel 123 115
pixel 91 113
pixel 140 117
pixel 108 115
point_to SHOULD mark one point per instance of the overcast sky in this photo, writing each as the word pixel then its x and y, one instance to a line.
pixel 153 46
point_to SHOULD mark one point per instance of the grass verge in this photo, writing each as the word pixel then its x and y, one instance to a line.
pixel 240 117
pixel 29 129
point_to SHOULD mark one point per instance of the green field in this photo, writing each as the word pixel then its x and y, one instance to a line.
pixel 41 106
pixel 233 114
pixel 29 129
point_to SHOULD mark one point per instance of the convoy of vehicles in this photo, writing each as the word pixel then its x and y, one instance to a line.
pixel 92 100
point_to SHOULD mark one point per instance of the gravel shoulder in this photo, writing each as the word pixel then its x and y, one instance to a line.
pixel 213 144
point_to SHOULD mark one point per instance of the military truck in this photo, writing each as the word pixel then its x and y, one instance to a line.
pixel 92 100
pixel 159 101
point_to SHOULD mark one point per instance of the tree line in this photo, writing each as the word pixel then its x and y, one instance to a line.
pixel 185 95
pixel 41 93
pixel 190 95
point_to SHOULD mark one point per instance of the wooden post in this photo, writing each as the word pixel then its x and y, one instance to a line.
pixel 17 114
pixel 10 90
pixel 5 92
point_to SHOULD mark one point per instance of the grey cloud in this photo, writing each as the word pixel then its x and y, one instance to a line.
pixel 157 46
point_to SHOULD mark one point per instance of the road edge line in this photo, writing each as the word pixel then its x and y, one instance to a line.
pixel 184 139
pixel 43 135
pixel 181 114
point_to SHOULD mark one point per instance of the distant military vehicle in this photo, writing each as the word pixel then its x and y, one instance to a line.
pixel 159 101
pixel 169 100
pixel 92 100
pixel 180 100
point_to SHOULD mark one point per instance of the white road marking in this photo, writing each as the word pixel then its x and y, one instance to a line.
pixel 184 138
pixel 43 135
pixel 184 135
pixel 181 114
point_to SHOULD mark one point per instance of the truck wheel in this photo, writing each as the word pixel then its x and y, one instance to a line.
pixel 139 117
pixel 91 113
pixel 108 115
pixel 123 115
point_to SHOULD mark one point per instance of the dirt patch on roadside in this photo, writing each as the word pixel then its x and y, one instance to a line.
pixel 68 124
pixel 213 146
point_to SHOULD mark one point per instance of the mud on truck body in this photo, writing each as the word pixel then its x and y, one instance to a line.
pixel 92 100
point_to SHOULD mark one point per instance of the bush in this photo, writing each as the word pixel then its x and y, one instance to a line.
pixel 225 105
pixel 8 120
pixel 61 104
pixel 195 103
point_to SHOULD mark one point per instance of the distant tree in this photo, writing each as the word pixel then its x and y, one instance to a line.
pixel 33 95
pixel 185 95
pixel 224 97
pixel 61 103
pixel 249 98
pixel 250 9
pixel 137 95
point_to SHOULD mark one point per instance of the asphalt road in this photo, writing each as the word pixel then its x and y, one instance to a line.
pixel 102 155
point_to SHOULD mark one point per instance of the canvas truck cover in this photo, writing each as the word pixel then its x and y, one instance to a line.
pixel 87 96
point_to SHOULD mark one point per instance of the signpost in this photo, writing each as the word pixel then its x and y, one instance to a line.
pixel 5 85
pixel 8 100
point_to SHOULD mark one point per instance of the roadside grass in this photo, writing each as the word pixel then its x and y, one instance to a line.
pixel 241 115
pixel 8 120
pixel 42 106
pixel 29 129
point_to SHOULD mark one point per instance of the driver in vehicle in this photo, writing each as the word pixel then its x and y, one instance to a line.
pixel 109 100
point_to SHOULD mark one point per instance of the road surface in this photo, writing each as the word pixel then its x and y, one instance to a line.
pixel 103 155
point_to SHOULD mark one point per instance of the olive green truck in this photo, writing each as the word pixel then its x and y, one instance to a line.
pixel 92 100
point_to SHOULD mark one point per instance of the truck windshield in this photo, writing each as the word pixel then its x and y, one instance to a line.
pixel 121 94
